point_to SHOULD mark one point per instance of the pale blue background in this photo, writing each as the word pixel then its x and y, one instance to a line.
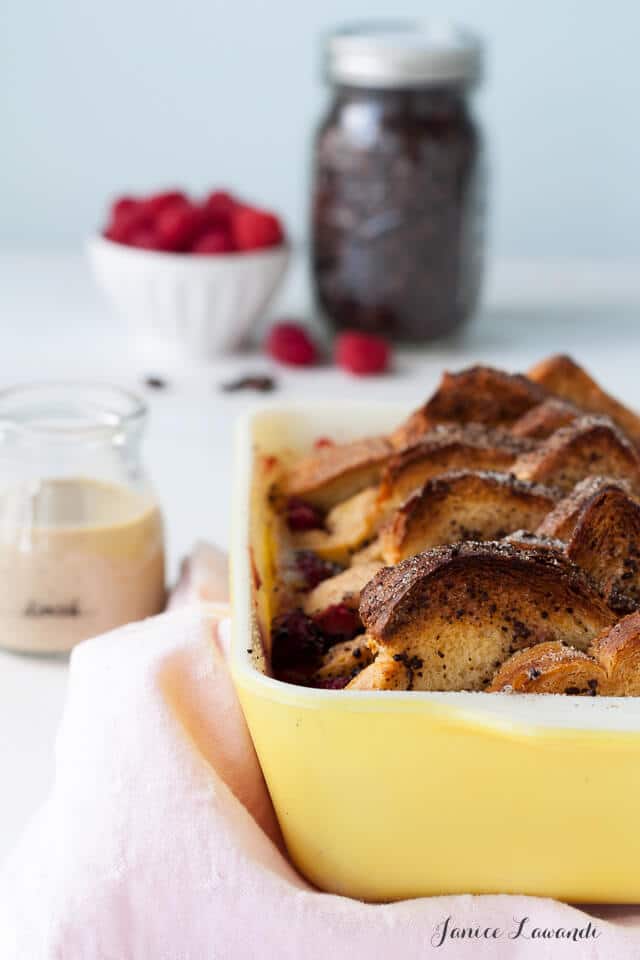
pixel 96 98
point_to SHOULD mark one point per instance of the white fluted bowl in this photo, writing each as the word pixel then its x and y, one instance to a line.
pixel 188 307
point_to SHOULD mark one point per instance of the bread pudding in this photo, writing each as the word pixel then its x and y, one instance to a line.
pixel 491 542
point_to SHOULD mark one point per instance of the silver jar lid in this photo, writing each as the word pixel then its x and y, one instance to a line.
pixel 404 54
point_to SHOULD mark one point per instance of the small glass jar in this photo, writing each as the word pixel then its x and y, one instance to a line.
pixel 397 229
pixel 81 534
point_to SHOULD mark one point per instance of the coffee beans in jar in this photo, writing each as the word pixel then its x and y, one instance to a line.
pixel 398 196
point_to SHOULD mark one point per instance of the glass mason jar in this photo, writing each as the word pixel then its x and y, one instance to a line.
pixel 81 534
pixel 397 229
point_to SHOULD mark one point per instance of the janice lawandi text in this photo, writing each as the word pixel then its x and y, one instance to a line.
pixel 448 931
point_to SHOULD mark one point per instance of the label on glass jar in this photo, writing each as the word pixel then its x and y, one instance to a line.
pixel 77 557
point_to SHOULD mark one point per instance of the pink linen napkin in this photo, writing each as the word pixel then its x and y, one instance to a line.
pixel 158 840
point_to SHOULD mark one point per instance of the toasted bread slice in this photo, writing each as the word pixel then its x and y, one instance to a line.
pixel 544 419
pixel 445 449
pixel 563 377
pixel 347 525
pixel 525 539
pixel 475 395
pixel 606 543
pixel 618 650
pixel 344 588
pixel 460 611
pixel 343 661
pixel 561 521
pixel 550 668
pixel 463 505
pixel 384 673
pixel 587 447
pixel 334 473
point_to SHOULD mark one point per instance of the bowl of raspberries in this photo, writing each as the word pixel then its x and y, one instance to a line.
pixel 192 276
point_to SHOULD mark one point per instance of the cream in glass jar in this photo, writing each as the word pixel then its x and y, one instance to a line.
pixel 81 534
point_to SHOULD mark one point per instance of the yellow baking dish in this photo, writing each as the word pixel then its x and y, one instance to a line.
pixel 387 795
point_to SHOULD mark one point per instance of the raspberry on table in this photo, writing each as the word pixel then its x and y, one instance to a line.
pixel 290 344
pixel 362 353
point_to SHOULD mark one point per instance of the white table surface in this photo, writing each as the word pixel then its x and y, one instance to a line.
pixel 55 324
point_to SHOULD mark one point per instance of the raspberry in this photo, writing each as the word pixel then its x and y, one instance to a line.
pixel 213 241
pixel 177 226
pixel 362 353
pixel 321 442
pixel 290 344
pixel 126 224
pixel 338 622
pixel 332 683
pixel 303 516
pixel 158 202
pixel 220 205
pixel 123 205
pixel 314 569
pixel 146 238
pixel 296 642
pixel 255 229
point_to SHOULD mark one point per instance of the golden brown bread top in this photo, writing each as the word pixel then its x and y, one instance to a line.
pixel 605 542
pixel 535 541
pixel 550 668
pixel 447 448
pixel 478 394
pixel 544 419
pixel 618 650
pixel 588 446
pixel 562 376
pixel 463 505
pixel 497 572
pixel 336 472
pixel 612 667
pixel 560 521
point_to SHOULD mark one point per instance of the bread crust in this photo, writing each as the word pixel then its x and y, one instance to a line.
pixel 560 522
pixel 618 650
pixel 334 473
pixel 462 610
pixel 610 668
pixel 562 376
pixel 444 449
pixel 589 446
pixel 550 668
pixel 544 419
pixel 478 394
pixel 464 505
